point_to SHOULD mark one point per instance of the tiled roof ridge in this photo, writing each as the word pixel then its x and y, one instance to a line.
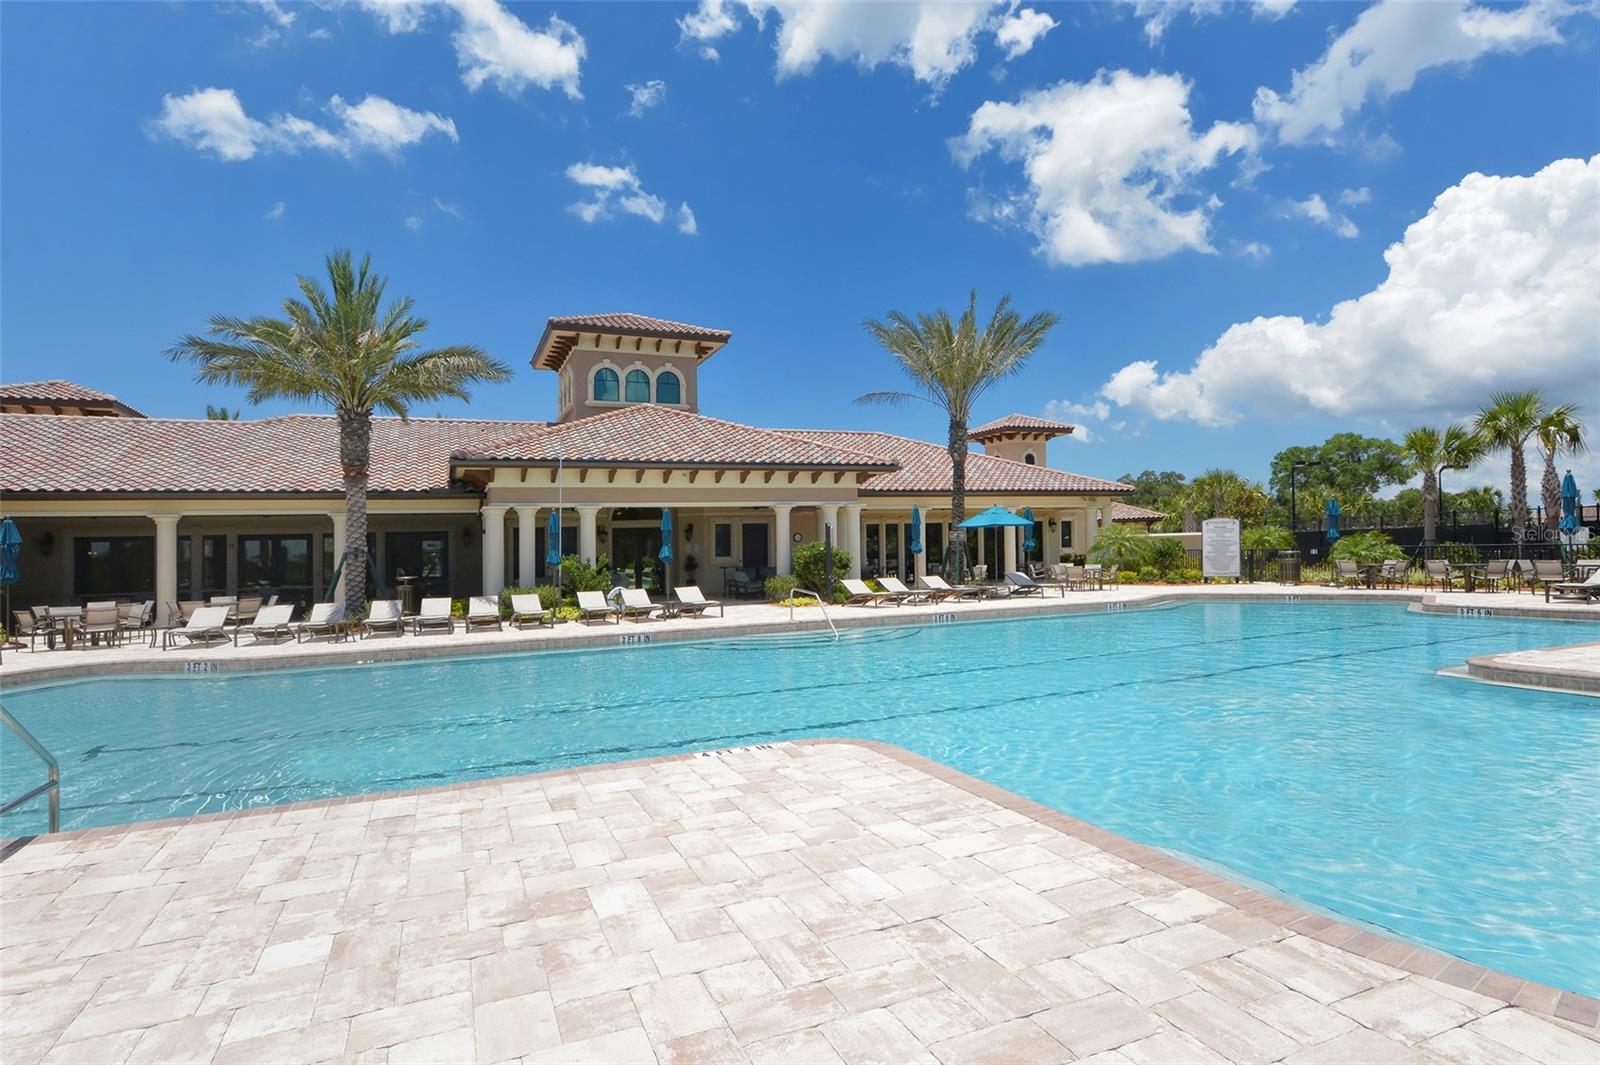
pixel 16 388
pixel 626 319
pixel 1016 420
pixel 291 415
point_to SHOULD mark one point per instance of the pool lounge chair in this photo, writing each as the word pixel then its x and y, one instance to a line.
pixel 858 594
pixel 1583 591
pixel 1022 584
pixel 325 619
pixel 384 615
pixel 483 610
pixel 940 589
pixel 526 608
pixel 204 625
pixel 692 602
pixel 270 621
pixel 433 614
pixel 900 594
pixel 593 605
pixel 636 604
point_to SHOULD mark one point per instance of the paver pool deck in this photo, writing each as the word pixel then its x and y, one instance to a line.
pixel 816 902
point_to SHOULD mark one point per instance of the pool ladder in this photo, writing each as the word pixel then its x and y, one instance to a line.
pixel 51 785
pixel 821 602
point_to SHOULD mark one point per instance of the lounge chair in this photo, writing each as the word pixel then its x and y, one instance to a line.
pixel 434 614
pixel 593 605
pixel 1439 574
pixel 270 621
pixel 636 604
pixel 1583 591
pixel 204 625
pixel 325 619
pixel 940 589
pixel 385 616
pixel 858 594
pixel 900 594
pixel 526 608
pixel 100 620
pixel 693 602
pixel 1022 584
pixel 483 610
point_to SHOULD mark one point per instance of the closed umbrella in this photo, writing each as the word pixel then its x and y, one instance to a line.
pixel 10 550
pixel 916 530
pixel 1028 542
pixel 552 545
pixel 1569 510
pixel 665 554
pixel 1333 520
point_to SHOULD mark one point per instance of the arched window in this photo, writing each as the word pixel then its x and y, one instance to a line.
pixel 638 387
pixel 668 389
pixel 605 385
pixel 1029 459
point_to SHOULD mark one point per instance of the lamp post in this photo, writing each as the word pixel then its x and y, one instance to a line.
pixel 1294 472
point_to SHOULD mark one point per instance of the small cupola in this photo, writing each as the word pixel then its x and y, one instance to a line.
pixel 1019 437
pixel 606 361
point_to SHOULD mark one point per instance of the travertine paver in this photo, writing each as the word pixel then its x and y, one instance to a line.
pixel 799 902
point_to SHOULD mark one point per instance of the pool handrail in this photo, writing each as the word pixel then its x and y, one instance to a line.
pixel 51 785
pixel 820 602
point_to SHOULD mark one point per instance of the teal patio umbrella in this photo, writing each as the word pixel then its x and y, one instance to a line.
pixel 552 545
pixel 665 554
pixel 1028 542
pixel 1333 520
pixel 993 518
pixel 11 549
pixel 1569 510
pixel 916 530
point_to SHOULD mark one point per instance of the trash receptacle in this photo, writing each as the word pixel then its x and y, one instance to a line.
pixel 1288 567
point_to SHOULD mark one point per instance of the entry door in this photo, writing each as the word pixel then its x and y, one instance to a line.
pixel 755 546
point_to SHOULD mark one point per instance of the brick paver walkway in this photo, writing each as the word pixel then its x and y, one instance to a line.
pixel 807 902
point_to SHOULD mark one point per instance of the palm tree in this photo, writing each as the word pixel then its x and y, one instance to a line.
pixel 1507 422
pixel 1559 430
pixel 345 348
pixel 220 414
pixel 952 363
pixel 1118 544
pixel 1433 452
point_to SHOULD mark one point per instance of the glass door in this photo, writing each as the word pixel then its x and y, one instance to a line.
pixel 636 556
pixel 423 558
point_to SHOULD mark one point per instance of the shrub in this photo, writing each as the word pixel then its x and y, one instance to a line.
pixel 1188 574
pixel 1120 545
pixel 1166 555
pixel 810 565
pixel 578 576
pixel 799 600
pixel 458 608
pixel 778 587
pixel 1456 552
pixel 1073 558
pixel 1266 538
pixel 1369 546
pixel 565 613
pixel 549 597
pixel 1149 574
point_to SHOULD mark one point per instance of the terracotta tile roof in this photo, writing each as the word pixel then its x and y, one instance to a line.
pixel 624 322
pixel 1020 423
pixel 1128 512
pixel 58 391
pixel 925 468
pixel 644 433
pixel 296 453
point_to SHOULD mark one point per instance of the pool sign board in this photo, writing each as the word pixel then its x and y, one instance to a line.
pixel 1219 547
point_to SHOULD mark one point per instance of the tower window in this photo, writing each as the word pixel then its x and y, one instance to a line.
pixel 1030 460
pixel 638 387
pixel 668 388
pixel 605 385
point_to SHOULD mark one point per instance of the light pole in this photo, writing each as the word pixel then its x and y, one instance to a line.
pixel 1294 472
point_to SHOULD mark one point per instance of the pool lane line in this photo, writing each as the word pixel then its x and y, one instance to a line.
pixel 591 755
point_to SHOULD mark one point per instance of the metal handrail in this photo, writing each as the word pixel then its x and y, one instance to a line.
pixel 820 602
pixel 52 785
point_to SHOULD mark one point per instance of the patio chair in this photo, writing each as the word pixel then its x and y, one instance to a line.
pixel 483 611
pixel 858 594
pixel 693 602
pixel 1547 571
pixel 1110 576
pixel 942 589
pixel 186 609
pixel 1496 572
pixel 270 621
pixel 246 609
pixel 1394 572
pixel 325 619
pixel 1439 574
pixel 526 608
pixel 741 585
pixel 385 616
pixel 26 627
pixel 204 625
pixel 136 617
pixel 900 595
pixel 593 605
pixel 1583 591
pixel 1074 576
pixel 636 604
pixel 1022 584
pixel 1347 574
pixel 434 614
pixel 100 620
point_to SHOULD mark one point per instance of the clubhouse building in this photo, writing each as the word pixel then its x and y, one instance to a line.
pixel 112 504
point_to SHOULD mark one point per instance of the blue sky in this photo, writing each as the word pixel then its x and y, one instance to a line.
pixel 1193 185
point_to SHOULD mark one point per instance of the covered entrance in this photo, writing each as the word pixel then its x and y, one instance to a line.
pixel 636 548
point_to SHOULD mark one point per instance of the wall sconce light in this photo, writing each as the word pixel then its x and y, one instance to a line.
pixel 1052 523
pixel 688 532
pixel 602 535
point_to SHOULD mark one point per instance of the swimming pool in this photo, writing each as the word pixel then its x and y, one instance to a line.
pixel 1308 748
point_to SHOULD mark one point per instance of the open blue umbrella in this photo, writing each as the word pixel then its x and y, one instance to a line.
pixel 1028 542
pixel 552 540
pixel 1333 520
pixel 916 530
pixel 995 517
pixel 1569 505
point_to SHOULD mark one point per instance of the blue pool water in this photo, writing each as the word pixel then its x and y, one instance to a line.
pixel 1308 748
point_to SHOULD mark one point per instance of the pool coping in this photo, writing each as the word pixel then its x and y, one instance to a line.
pixel 1501 669
pixel 1569 1006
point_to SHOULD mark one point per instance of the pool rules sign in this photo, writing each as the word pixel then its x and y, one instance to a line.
pixel 1219 548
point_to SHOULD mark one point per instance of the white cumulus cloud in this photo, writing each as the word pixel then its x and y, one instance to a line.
pixel 1493 288
pixel 276 212
pixel 1355 197
pixel 1109 166
pixel 1316 209
pixel 397 16
pixel 1158 15
pixel 213 121
pixel 645 95
pixel 616 190
pixel 1019 31
pixel 1385 49
pixel 494 46
pixel 687 224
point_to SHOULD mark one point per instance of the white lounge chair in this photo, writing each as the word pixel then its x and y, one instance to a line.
pixel 858 594
pixel 483 611
pixel 384 615
pixel 526 608
pixel 595 605
pixel 434 614
pixel 270 621
pixel 204 625
pixel 1022 584
pixel 325 619
pixel 692 601
pixel 636 604
pixel 900 594
pixel 941 589
pixel 1584 590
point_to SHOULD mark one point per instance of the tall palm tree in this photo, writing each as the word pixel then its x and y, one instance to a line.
pixel 1433 452
pixel 952 363
pixel 1507 423
pixel 340 346
pixel 1559 430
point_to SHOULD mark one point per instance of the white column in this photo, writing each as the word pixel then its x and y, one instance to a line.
pixel 852 523
pixel 527 524
pixel 1008 538
pixel 586 533
pixel 338 551
pixel 780 532
pixel 1095 516
pixel 166 562
pixel 494 549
